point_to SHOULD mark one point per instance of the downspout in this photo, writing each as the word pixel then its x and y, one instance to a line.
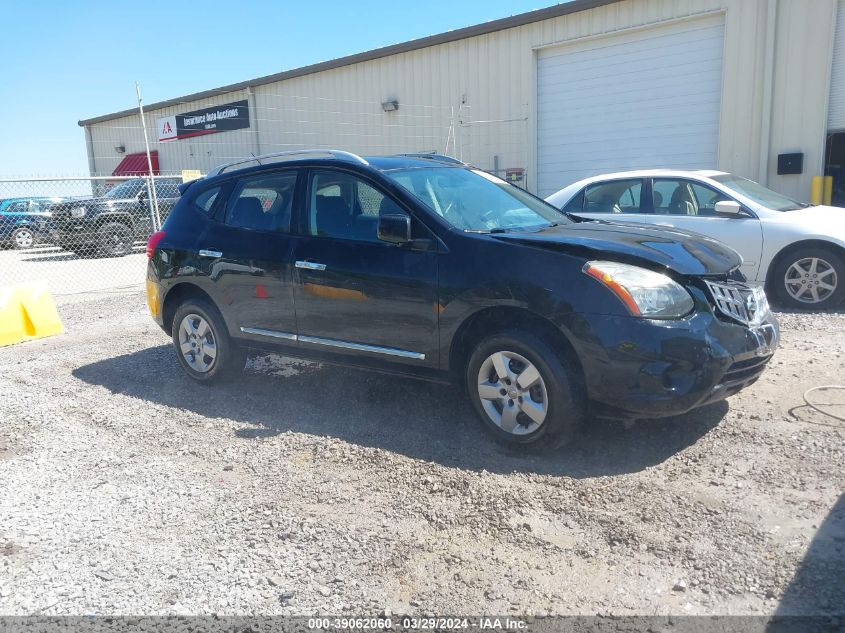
pixel 768 89
pixel 89 145
pixel 254 119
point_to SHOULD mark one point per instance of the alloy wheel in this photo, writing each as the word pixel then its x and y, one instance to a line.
pixel 513 393
pixel 116 243
pixel 197 343
pixel 23 238
pixel 810 280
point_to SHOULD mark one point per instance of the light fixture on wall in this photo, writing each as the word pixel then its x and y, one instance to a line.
pixel 391 105
pixel 120 149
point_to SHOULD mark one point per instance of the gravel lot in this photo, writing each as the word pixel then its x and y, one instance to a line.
pixel 302 489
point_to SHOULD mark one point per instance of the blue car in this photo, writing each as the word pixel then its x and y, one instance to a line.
pixel 24 221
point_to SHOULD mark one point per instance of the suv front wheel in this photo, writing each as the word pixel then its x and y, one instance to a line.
pixel 522 390
pixel 203 346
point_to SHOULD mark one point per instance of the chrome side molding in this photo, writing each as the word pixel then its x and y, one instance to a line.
pixel 389 351
pixel 273 333
pixel 328 342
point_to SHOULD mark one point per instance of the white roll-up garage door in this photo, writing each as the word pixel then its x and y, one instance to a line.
pixel 635 101
pixel 836 110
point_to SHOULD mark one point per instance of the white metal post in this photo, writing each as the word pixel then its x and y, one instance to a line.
pixel 156 218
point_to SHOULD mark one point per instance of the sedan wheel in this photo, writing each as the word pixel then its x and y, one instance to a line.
pixel 197 344
pixel 811 280
pixel 23 238
pixel 513 393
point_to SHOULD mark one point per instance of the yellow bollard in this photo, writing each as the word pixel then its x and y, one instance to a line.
pixel 27 312
pixel 816 190
pixel 828 190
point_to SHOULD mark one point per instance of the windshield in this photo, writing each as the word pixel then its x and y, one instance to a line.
pixel 127 189
pixel 758 193
pixel 473 200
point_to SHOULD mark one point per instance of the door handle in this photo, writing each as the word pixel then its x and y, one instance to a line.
pixel 310 265
pixel 209 253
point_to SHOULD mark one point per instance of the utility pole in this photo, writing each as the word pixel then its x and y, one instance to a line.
pixel 155 216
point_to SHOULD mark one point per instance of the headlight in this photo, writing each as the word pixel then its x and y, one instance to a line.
pixel 644 292
pixel 78 212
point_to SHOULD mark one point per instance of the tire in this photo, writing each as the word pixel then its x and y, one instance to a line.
pixel 193 351
pixel 553 393
pixel 817 276
pixel 114 239
pixel 23 238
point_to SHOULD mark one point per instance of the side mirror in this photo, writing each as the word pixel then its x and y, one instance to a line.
pixel 395 229
pixel 729 207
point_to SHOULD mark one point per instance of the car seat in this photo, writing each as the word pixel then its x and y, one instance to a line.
pixel 681 201
pixel 249 213
pixel 333 218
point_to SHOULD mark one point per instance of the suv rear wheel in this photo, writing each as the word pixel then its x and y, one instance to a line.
pixel 203 346
pixel 114 239
pixel 522 390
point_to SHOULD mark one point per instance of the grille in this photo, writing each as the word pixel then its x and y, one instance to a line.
pixel 738 301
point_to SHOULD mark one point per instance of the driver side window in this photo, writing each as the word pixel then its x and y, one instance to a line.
pixel 677 196
pixel 706 197
pixel 344 206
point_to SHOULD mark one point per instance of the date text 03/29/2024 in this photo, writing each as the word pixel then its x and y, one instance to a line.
pixel 418 623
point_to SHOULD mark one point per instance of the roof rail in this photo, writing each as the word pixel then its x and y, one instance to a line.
pixel 442 158
pixel 292 155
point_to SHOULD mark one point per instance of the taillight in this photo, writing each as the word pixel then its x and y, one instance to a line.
pixel 152 242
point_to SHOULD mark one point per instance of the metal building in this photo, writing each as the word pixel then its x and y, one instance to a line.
pixel 549 96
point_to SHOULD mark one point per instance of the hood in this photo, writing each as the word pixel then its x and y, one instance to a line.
pixel 824 219
pixel 683 252
pixel 110 202
pixel 92 203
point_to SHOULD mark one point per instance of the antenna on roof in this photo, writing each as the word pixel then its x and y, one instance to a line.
pixel 255 157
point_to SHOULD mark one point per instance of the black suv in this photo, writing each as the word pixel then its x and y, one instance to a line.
pixel 109 225
pixel 423 266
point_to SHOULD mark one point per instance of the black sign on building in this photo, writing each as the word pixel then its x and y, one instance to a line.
pixel 210 120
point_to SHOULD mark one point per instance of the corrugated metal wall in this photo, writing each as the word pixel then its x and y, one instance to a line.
pixel 836 110
pixel 800 90
pixel 478 94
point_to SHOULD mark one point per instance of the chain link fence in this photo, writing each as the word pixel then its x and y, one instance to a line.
pixel 80 235
pixel 85 235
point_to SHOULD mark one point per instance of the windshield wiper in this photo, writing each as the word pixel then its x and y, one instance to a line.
pixel 486 231
pixel 576 218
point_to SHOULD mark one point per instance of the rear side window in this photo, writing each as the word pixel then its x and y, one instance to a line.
pixel 206 199
pixel 615 196
pixel 263 203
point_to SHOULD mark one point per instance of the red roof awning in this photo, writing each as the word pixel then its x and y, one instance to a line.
pixel 136 165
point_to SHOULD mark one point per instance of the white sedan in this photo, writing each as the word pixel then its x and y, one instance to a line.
pixel 797 250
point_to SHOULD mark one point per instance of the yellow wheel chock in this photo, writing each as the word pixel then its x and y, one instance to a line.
pixel 27 312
